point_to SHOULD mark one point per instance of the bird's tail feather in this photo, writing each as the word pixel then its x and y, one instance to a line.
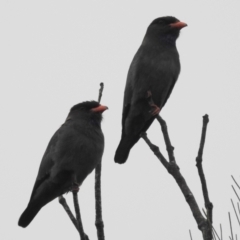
pixel 124 148
pixel 46 192
pixel 29 214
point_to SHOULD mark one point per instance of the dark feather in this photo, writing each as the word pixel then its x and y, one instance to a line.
pixel 155 67
pixel 72 153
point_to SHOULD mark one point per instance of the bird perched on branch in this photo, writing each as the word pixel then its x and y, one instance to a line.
pixel 154 71
pixel 72 153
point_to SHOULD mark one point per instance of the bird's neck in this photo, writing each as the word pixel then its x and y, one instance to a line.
pixel 160 40
pixel 94 119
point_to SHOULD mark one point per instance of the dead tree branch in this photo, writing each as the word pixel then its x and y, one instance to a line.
pixel 208 204
pixel 173 169
pixel 163 125
pixel 230 223
pixel 78 215
pixel 63 202
pixel 98 199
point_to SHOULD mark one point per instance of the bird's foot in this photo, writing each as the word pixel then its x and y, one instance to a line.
pixel 75 187
pixel 155 110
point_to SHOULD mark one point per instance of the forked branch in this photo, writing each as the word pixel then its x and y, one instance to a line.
pixel 208 204
pixel 203 224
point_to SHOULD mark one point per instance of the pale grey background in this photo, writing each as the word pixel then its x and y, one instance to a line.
pixel 54 54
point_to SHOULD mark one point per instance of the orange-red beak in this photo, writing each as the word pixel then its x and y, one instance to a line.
pixel 100 109
pixel 178 25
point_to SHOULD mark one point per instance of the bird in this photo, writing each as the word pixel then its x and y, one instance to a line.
pixel 154 71
pixel 72 153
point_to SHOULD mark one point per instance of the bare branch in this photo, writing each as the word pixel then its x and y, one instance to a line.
pixel 78 215
pixel 221 231
pixel 235 212
pixel 230 225
pixel 63 202
pixel 204 225
pixel 208 204
pixel 155 150
pixel 235 182
pixel 98 203
pixel 77 222
pixel 163 125
pixel 98 198
pixel 214 235
pixel 169 146
pixel 190 234
pixel 173 169
pixel 235 192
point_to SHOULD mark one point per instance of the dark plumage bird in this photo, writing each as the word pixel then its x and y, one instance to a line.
pixel 154 69
pixel 72 153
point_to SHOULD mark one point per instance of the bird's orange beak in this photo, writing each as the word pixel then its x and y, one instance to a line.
pixel 100 108
pixel 178 25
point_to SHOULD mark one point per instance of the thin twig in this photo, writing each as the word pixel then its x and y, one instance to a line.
pixel 235 212
pixel 236 193
pixel 78 215
pixel 169 146
pixel 215 233
pixel 98 198
pixel 208 204
pixel 221 231
pixel 100 92
pixel 214 236
pixel 230 224
pixel 235 181
pixel 163 125
pixel 99 222
pixel 155 150
pixel 173 169
pixel 238 208
pixel 190 234
pixel 63 202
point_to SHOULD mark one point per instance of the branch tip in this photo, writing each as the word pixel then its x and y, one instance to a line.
pixel 206 118
pixel 100 91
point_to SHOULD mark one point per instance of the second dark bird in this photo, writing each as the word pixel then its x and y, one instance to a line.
pixel 154 68
pixel 72 153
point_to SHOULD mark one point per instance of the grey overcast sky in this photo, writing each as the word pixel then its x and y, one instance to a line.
pixel 55 53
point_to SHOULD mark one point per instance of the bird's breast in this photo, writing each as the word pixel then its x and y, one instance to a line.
pixel 156 72
pixel 80 150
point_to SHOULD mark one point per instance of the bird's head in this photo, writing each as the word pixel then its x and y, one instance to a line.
pixel 165 28
pixel 90 109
